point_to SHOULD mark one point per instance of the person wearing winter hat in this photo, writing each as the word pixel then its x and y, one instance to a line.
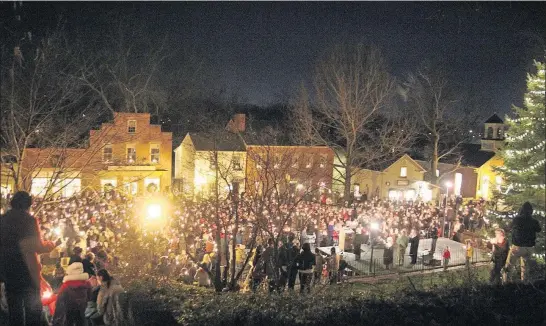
pixel 72 298
pixel 524 229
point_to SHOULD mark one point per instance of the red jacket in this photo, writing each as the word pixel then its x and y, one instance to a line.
pixel 447 254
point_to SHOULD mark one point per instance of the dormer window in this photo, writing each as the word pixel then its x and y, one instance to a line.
pixel 403 172
pixel 131 126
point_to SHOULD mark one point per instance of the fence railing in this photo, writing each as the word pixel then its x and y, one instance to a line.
pixel 422 262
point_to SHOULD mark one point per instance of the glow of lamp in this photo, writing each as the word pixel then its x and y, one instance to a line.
pixel 374 226
pixel 449 184
pixel 57 231
pixel 154 211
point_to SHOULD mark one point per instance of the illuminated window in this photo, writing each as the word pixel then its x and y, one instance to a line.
pixel 39 186
pixel 154 153
pixel 236 162
pixel 403 172
pixel 108 184
pixel 71 187
pixel 437 173
pixel 458 183
pixel 322 163
pixel 131 153
pixel 151 184
pixel 131 126
pixel 107 154
pixel 131 187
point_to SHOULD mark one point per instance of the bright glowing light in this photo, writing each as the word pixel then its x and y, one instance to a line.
pixel 154 211
pixel 299 186
pixel 47 294
pixel 57 231
pixel 449 184
pixel 200 180
pixel 374 226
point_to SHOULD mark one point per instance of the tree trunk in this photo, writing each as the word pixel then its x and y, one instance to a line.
pixel 434 160
pixel 347 191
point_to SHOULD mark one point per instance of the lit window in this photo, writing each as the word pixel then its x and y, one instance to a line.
pixel 403 172
pixel 131 187
pixel 107 154
pixel 151 184
pixel 458 183
pixel 236 162
pixel 154 153
pixel 295 161
pixel 71 187
pixel 131 153
pixel 108 184
pixel 309 162
pixel 322 163
pixel 39 186
pixel 437 172
pixel 131 126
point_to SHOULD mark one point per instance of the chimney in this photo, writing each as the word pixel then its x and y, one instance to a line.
pixel 237 123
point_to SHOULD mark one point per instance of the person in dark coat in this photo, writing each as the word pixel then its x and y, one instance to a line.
pixel 388 253
pixel 292 266
pixel 20 244
pixel 414 246
pixel 76 256
pixel 500 248
pixel 305 262
pixel 524 229
pixel 434 236
pixel 73 297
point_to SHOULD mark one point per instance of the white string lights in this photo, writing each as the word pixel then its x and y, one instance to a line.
pixel 527 150
pixel 527 169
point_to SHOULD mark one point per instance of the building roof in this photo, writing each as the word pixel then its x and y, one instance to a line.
pixel 474 156
pixel 225 142
pixel 494 119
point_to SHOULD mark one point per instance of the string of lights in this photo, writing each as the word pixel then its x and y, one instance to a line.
pixel 527 150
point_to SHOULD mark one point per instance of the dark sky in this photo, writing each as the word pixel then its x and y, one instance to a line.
pixel 262 50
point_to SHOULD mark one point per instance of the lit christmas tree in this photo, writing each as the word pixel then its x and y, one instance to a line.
pixel 524 154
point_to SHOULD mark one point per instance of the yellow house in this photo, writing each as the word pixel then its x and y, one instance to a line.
pixel 488 179
pixel 195 164
pixel 127 154
pixel 404 179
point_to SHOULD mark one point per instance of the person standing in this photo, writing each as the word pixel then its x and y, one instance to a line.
pixel 388 254
pixel 292 266
pixel 469 253
pixel 319 265
pixel 500 248
pixel 524 229
pixel 333 266
pixel 414 246
pixel 20 244
pixel 73 297
pixel 434 235
pixel 305 262
pixel 402 244
pixel 446 255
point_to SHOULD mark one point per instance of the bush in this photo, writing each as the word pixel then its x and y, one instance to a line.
pixel 470 304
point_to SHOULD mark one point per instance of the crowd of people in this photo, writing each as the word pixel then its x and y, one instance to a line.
pixel 83 237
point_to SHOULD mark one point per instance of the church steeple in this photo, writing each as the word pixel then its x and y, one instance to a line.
pixel 494 134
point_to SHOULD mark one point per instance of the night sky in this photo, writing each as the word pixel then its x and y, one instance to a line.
pixel 262 51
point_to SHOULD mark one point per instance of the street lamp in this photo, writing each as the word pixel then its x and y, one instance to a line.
pixel 448 185
pixel 374 226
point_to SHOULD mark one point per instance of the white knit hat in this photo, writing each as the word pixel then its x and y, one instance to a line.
pixel 74 272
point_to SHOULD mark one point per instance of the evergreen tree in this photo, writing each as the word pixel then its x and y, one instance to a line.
pixel 524 154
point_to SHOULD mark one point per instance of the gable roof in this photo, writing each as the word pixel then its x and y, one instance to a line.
pixel 422 169
pixel 472 155
pixel 494 119
pixel 225 142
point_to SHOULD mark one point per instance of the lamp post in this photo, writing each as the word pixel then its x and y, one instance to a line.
pixel 448 185
pixel 373 227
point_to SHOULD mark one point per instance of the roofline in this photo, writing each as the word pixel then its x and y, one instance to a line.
pixel 412 160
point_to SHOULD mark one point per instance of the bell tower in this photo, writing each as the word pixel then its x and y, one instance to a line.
pixel 494 134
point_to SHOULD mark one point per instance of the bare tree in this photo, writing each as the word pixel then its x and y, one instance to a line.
pixel 441 124
pixel 43 107
pixel 352 92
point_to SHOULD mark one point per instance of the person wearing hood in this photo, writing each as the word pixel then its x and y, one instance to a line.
pixel 108 299
pixel 305 262
pixel 72 297
pixel 524 229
